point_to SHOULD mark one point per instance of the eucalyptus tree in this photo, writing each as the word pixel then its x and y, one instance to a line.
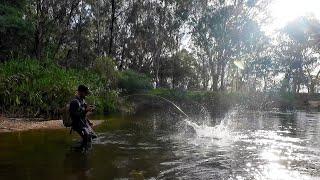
pixel 298 56
pixel 148 32
pixel 226 31
pixel 227 48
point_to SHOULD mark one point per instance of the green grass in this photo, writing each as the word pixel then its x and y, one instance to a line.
pixel 29 88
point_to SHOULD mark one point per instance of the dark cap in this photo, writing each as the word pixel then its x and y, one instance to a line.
pixel 83 88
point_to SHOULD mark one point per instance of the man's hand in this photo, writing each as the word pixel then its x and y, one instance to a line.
pixel 90 108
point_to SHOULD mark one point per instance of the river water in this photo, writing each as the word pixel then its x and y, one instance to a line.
pixel 163 145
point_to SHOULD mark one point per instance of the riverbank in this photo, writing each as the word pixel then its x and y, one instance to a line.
pixel 20 124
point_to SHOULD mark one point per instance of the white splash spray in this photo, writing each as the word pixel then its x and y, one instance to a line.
pixel 222 130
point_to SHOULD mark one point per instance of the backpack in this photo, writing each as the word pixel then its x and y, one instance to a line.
pixel 66 118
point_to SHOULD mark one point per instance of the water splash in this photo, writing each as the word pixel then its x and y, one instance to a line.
pixel 222 130
pixel 205 130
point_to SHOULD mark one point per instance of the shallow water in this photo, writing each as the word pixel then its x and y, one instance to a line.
pixel 161 145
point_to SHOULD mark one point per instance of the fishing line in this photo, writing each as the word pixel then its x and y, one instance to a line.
pixel 162 98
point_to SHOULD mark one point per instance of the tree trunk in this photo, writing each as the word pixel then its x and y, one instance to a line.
pixel 74 4
pixel 122 58
pixel 98 28
pixel 222 88
pixel 79 36
pixel 113 9
pixel 38 32
pixel 312 87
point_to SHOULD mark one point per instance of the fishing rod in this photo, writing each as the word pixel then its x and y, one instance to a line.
pixel 162 98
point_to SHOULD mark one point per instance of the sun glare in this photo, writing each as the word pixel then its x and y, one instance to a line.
pixel 284 11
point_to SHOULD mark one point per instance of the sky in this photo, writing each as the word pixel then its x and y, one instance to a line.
pixel 284 11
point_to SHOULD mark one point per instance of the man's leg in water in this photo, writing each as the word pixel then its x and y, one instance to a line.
pixel 86 138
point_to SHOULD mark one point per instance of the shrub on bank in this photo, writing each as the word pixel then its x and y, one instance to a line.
pixel 34 89
pixel 214 102
pixel 133 82
pixel 199 96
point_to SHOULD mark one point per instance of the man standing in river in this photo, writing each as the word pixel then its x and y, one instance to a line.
pixel 78 113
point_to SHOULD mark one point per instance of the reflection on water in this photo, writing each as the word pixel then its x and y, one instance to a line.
pixel 160 145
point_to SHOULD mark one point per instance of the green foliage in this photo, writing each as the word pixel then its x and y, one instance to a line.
pixel 181 69
pixel 15 31
pixel 32 89
pixel 222 35
pixel 199 96
pixel 133 82
pixel 106 67
pixel 287 98
pixel 170 93
pixel 214 102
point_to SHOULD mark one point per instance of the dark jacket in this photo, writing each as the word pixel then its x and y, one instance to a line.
pixel 78 113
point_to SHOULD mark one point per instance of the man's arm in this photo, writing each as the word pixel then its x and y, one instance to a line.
pixel 89 122
pixel 74 109
pixel 89 109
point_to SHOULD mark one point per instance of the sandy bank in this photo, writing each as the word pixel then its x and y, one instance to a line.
pixel 19 124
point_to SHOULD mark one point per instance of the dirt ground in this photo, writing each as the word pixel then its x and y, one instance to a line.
pixel 20 124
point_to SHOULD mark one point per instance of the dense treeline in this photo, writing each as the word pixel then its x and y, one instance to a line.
pixel 179 44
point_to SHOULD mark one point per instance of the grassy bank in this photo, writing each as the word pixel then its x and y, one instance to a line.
pixel 249 100
pixel 216 103
pixel 29 88
pixel 33 89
